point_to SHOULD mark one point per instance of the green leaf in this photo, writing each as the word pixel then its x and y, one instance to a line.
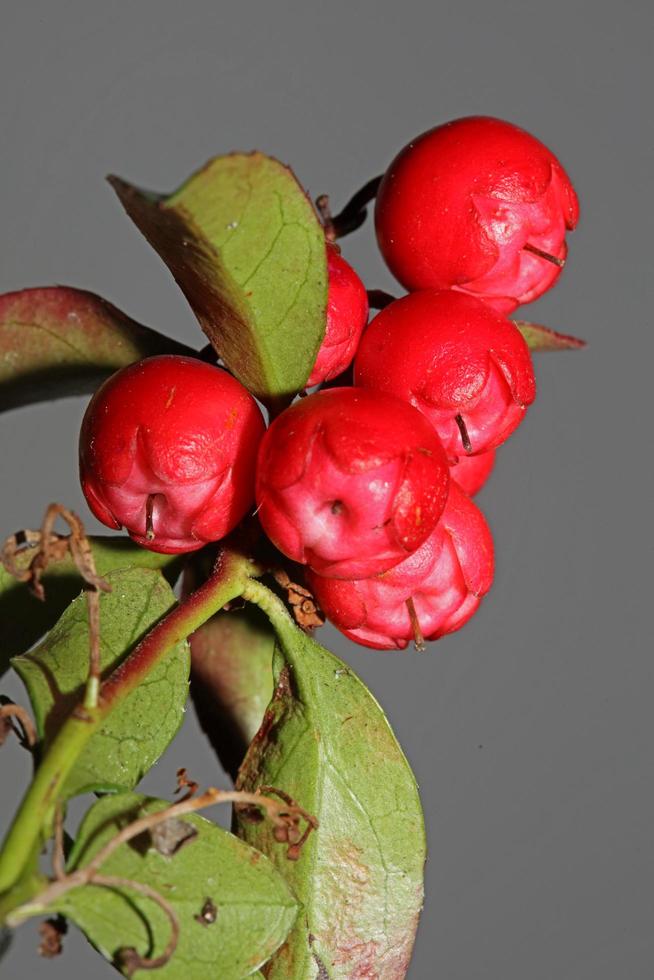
pixel 245 245
pixel 231 680
pixel 136 733
pixel 57 341
pixel 541 338
pixel 254 907
pixel 326 742
pixel 24 619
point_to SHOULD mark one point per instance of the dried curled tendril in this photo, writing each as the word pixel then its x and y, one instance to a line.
pixel 291 825
pixel 52 547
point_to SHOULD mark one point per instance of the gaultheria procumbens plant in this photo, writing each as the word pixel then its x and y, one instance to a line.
pixel 217 465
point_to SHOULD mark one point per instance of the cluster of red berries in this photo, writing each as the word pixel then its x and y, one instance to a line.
pixel 368 486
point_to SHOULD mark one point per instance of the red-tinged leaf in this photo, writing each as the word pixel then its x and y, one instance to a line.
pixel 326 743
pixel 57 341
pixel 232 680
pixel 245 246
pixel 541 338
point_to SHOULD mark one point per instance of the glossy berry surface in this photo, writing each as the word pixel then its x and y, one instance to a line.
pixel 458 205
pixel 472 472
pixel 465 366
pixel 350 481
pixel 445 579
pixel 347 315
pixel 179 435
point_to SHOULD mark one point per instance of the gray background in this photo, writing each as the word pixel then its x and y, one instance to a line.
pixel 530 731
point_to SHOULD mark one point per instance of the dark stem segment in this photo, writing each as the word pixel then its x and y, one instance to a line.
pixel 544 255
pixel 353 214
pixel 465 438
pixel 379 299
pixel 149 508
pixel 418 638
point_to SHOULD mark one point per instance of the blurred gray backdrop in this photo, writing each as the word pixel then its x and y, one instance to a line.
pixel 531 730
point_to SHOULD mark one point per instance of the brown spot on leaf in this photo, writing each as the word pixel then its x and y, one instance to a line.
pixel 322 969
pixel 208 915
pixel 171 835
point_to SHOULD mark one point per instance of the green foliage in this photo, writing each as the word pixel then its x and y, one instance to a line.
pixel 326 742
pixel 138 730
pixel 60 341
pixel 541 338
pixel 231 679
pixel 254 908
pixel 246 247
pixel 24 619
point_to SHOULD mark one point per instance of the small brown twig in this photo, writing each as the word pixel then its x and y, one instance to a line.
pixel 20 542
pixel 298 839
pixel 54 547
pixel 287 817
pixel 185 782
pixel 129 959
pixel 10 711
pixel 353 214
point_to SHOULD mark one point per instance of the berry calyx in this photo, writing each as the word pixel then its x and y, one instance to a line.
pixel 465 366
pixel 432 592
pixel 350 481
pixel 471 472
pixel 347 315
pixel 478 205
pixel 168 450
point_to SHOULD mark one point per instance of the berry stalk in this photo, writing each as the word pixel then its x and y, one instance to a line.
pixel 353 214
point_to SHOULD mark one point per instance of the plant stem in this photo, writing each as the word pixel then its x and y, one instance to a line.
pixel 353 214
pixel 226 583
pixel 273 607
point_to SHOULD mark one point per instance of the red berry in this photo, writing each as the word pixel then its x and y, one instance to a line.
pixel 445 579
pixel 173 439
pixel 350 481
pixel 458 205
pixel 466 367
pixel 347 315
pixel 471 472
